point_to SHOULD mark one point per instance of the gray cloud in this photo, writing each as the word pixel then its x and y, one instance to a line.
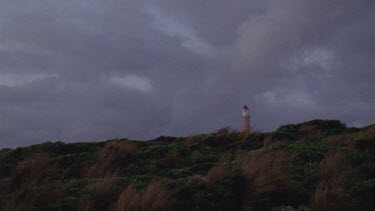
pixel 94 70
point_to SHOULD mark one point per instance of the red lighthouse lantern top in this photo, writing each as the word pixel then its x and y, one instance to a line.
pixel 245 107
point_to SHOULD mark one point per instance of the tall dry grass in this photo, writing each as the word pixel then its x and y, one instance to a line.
pixel 342 140
pixel 191 140
pixel 155 196
pixel 333 165
pixel 32 171
pixel 333 195
pixel 20 200
pixel 332 192
pixel 129 199
pixel 101 194
pixel 221 170
pixel 85 204
pixel 264 172
pixel 27 176
pixel 113 155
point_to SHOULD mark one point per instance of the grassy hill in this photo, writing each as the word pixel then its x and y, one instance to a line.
pixel 318 165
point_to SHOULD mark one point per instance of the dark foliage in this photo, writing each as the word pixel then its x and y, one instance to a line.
pixel 319 164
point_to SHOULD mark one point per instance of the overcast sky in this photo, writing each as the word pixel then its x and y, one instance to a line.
pixel 94 70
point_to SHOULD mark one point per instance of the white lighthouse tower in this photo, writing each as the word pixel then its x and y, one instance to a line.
pixel 245 119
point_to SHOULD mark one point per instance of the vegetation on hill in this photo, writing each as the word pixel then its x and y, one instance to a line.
pixel 319 165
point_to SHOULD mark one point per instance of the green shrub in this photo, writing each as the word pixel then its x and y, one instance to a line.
pixel 365 161
pixel 365 186
pixel 200 157
pixel 216 140
pixel 328 126
pixel 313 151
pixel 65 203
pixel 225 194
pixel 138 180
pixel 365 192
pixel 305 158
pixel 157 151
pixel 65 161
pixel 286 132
pixel 253 141
pixel 289 127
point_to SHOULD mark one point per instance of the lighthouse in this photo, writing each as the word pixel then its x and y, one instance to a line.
pixel 245 119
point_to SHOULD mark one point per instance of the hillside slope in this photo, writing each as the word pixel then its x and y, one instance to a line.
pixel 318 165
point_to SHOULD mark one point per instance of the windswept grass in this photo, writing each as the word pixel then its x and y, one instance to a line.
pixel 156 196
pixel 334 194
pixel 32 172
pixel 265 172
pixel 129 199
pixel 221 170
pixel 27 176
pixel 100 194
pixel 191 140
pixel 333 165
pixel 114 154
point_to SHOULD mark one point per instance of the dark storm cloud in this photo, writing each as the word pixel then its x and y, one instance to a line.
pixel 93 70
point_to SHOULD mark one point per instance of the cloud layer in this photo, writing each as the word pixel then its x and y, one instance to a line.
pixel 94 70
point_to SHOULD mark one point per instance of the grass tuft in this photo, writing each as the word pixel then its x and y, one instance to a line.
pixel 114 155
pixel 333 195
pixel 155 196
